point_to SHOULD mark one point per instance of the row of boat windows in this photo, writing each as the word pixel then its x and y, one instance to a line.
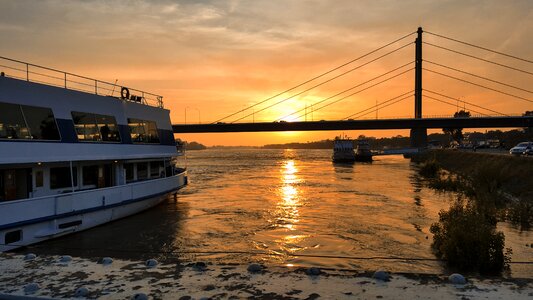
pixel 31 122
pixel 35 182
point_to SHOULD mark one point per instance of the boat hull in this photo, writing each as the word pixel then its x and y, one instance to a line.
pixel 59 224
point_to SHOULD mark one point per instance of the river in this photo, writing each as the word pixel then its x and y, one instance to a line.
pixel 288 207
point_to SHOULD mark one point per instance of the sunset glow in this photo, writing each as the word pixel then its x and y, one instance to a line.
pixel 220 57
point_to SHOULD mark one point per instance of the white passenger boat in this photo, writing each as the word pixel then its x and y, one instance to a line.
pixel 343 150
pixel 77 152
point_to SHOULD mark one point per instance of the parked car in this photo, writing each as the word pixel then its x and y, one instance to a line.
pixel 522 148
pixel 528 151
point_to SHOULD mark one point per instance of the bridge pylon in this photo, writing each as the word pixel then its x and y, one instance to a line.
pixel 418 135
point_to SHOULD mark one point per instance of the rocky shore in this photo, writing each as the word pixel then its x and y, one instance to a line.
pixel 65 277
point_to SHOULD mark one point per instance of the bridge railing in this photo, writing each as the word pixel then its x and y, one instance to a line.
pixel 39 74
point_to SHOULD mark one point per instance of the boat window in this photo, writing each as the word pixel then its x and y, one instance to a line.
pixel 154 168
pixel 60 177
pixel 129 172
pixel 41 122
pixel 27 122
pixel 13 237
pixel 143 131
pixel 142 171
pixel 12 124
pixel 90 175
pixel 95 127
pixel 39 179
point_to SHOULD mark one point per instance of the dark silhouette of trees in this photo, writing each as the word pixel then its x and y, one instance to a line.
pixel 457 133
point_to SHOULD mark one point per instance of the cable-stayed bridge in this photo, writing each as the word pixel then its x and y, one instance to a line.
pixel 480 116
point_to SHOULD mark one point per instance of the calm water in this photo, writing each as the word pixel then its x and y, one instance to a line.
pixel 290 207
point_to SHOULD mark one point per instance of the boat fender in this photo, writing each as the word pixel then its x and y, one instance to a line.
pixel 125 93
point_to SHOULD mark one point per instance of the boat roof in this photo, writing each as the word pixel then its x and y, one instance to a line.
pixel 48 76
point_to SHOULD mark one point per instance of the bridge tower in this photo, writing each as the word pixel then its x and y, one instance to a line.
pixel 418 135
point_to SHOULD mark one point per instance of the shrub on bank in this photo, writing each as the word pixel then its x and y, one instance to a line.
pixel 520 212
pixel 467 239
pixel 429 168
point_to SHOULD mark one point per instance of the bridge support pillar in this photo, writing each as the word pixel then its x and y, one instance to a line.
pixel 419 137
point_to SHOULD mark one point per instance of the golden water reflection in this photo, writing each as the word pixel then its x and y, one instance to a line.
pixel 288 207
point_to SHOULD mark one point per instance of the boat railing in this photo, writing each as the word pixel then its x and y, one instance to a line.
pixel 39 74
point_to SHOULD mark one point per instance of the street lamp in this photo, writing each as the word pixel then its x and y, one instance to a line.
pixel 198 115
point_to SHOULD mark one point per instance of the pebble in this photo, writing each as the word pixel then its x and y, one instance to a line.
pixel 255 268
pixel 200 266
pixel 381 275
pixel 151 263
pixel 313 271
pixel 81 292
pixel 106 261
pixel 140 296
pixel 65 259
pixel 456 278
pixel 31 288
pixel 30 256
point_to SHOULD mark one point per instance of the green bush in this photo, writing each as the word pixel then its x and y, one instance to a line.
pixel 467 239
pixel 429 169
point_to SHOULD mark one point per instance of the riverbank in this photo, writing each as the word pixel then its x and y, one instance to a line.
pixel 66 277
pixel 510 174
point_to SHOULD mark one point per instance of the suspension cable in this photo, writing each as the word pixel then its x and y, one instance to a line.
pixel 479 58
pixel 369 87
pixel 479 47
pixel 453 104
pixel 382 103
pixel 399 100
pixel 380 106
pixel 469 103
pixel 349 89
pixel 485 78
pixel 479 85
pixel 322 83
pixel 321 75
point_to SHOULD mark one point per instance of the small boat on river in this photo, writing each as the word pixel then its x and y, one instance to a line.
pixel 362 152
pixel 343 151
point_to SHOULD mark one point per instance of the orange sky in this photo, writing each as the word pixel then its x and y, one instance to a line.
pixel 212 58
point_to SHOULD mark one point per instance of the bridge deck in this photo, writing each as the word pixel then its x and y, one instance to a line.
pixel 472 122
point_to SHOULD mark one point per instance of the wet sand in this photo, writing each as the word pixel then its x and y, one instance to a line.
pixel 123 279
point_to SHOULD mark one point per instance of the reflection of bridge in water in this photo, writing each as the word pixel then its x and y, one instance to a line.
pixel 486 118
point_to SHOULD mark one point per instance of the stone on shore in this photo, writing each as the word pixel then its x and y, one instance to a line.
pixel 381 275
pixel 456 278
pixel 31 288
pixel 151 263
pixel 30 256
pixel 106 261
pixel 313 271
pixel 140 296
pixel 81 292
pixel 255 268
pixel 65 259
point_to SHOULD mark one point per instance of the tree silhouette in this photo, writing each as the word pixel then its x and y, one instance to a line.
pixel 457 133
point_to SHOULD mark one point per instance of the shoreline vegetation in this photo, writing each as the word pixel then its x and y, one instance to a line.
pixel 491 188
pixel 507 139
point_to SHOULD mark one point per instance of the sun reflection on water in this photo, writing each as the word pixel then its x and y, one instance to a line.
pixel 289 205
